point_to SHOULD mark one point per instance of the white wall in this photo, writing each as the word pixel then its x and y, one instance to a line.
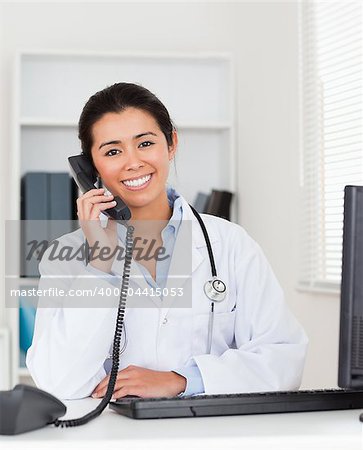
pixel 263 38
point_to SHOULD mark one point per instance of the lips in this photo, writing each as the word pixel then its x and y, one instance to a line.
pixel 139 183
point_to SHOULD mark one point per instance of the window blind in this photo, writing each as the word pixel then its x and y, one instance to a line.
pixel 331 133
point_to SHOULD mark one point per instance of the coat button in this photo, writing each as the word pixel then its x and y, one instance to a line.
pixel 165 321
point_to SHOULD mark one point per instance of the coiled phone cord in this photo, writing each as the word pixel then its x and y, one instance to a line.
pixel 116 341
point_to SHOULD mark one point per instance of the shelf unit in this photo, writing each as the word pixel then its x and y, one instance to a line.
pixel 51 87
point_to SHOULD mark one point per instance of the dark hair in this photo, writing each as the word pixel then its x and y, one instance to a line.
pixel 116 98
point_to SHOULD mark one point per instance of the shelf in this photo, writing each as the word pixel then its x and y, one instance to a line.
pixel 124 55
pixel 29 122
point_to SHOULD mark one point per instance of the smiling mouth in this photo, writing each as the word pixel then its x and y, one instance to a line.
pixel 138 182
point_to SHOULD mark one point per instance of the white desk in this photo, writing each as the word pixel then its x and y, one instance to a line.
pixel 329 430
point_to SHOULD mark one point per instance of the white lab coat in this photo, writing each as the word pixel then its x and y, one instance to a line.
pixel 257 343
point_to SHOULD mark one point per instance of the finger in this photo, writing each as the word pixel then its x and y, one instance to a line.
pixel 120 381
pixel 124 391
pixel 94 195
pixel 88 194
pixel 123 385
pixel 101 389
pixel 95 212
pixel 95 200
pixel 102 384
pixel 102 392
pixel 92 192
pixel 91 211
pixel 98 198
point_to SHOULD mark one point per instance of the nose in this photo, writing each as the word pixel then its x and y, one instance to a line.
pixel 133 162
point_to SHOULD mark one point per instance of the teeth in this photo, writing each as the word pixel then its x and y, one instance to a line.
pixel 138 182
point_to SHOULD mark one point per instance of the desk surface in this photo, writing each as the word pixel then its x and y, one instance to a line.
pixel 321 430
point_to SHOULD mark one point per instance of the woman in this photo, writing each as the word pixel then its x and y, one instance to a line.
pixel 257 345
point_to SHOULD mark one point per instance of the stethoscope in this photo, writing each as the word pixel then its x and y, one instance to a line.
pixel 215 289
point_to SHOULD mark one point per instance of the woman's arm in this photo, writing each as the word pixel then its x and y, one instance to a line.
pixel 70 343
pixel 73 332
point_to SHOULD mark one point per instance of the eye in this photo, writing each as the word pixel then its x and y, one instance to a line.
pixel 146 144
pixel 112 152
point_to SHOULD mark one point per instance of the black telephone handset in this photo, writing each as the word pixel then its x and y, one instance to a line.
pixel 26 408
pixel 85 176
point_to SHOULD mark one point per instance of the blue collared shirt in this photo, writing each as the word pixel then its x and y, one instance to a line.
pixel 169 234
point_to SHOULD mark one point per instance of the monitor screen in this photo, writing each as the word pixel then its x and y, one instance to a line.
pixel 351 309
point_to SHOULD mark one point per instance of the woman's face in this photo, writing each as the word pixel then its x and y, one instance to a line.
pixel 132 156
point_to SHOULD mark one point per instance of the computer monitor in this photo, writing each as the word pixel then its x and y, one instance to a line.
pixel 350 373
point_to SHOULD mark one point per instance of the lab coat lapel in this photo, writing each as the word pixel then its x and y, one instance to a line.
pixel 184 261
pixel 138 284
pixel 190 239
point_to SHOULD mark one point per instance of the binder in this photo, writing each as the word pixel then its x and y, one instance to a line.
pixel 219 204
pixel 201 202
pixel 47 211
pixel 34 212
pixel 61 203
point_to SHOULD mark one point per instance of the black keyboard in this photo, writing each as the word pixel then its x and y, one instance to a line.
pixel 234 404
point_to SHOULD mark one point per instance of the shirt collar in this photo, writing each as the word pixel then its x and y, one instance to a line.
pixel 176 204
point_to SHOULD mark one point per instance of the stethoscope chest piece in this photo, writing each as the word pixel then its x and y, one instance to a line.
pixel 215 289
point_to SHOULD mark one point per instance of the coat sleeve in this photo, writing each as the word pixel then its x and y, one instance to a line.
pixel 270 344
pixel 71 338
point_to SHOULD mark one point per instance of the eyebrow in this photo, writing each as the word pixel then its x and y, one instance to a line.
pixel 134 138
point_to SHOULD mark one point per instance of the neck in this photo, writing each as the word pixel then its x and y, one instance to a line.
pixel 159 209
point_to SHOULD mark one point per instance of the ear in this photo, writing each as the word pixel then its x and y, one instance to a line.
pixel 173 147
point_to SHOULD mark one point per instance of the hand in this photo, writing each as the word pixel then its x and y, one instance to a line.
pixel 89 207
pixel 143 382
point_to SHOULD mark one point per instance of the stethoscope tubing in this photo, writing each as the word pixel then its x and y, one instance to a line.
pixel 216 294
pixel 210 329
pixel 207 241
